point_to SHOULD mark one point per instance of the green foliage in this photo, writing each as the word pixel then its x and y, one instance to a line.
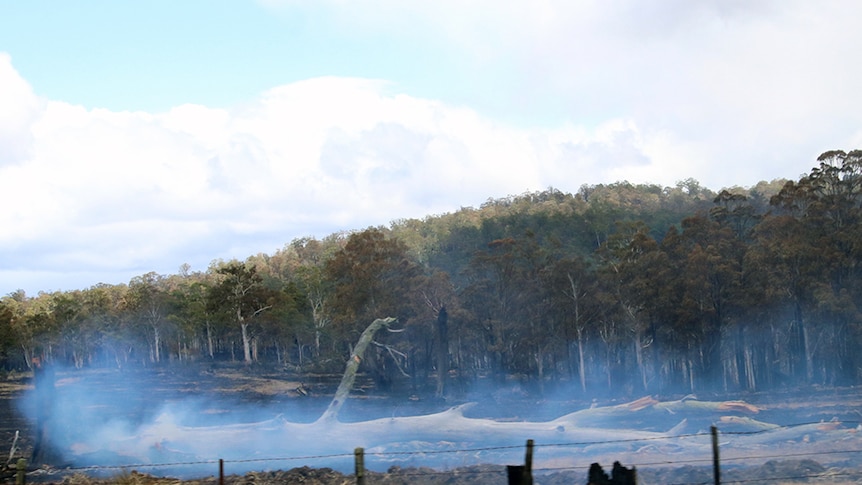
pixel 618 288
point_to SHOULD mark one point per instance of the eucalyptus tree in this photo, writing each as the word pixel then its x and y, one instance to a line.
pixel 76 330
pixel 240 296
pixel 737 217
pixel 149 301
pixel 492 297
pixel 372 277
pixel 679 305
pixel 814 236
pixel 107 314
pixel 507 296
pixel 306 260
pixel 734 210
pixel 535 255
pixel 192 322
pixel 712 273
pixel 197 313
pixel 434 300
pixel 288 323
pixel 33 324
pixel 574 295
pixel 836 188
pixel 8 337
pixel 624 324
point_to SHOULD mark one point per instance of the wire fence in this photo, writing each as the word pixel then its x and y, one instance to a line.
pixel 578 464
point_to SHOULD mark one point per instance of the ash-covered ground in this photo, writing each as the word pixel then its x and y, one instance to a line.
pixel 227 393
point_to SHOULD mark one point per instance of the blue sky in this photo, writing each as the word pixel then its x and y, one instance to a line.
pixel 155 55
pixel 136 137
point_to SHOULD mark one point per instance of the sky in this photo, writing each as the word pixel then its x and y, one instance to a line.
pixel 141 136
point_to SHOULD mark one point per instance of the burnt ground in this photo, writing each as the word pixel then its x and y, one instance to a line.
pixel 275 390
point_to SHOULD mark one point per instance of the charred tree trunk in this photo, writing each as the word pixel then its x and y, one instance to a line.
pixel 582 367
pixel 620 475
pixel 801 352
pixel 442 351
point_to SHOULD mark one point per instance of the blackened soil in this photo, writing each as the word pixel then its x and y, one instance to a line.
pixel 771 472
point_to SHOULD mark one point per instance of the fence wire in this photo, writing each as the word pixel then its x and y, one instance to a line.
pixel 466 470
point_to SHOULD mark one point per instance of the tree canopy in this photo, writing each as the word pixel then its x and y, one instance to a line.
pixel 617 288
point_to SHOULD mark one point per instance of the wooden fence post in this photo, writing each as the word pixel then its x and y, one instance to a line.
pixel 359 465
pixel 220 471
pixel 21 471
pixel 516 474
pixel 522 474
pixel 716 469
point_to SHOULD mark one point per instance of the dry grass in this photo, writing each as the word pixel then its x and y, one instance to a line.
pixel 237 382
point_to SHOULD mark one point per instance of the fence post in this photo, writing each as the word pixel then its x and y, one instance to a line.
pixel 516 474
pixel 716 469
pixel 220 471
pixel 21 471
pixel 359 465
pixel 522 474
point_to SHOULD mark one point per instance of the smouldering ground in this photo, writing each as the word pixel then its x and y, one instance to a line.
pixel 274 389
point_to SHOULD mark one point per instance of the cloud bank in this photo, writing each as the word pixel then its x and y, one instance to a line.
pixel 762 86
pixel 97 192
pixel 533 94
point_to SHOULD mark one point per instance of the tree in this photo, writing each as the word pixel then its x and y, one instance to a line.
pixel 148 299
pixel 69 313
pixel 626 321
pixel 576 300
pixel 240 295
pixel 432 301
pixel 734 211
pixel 8 339
pixel 712 273
pixel 508 297
pixel 309 259
pixel 34 325
pixel 813 241
pixel 493 295
pixel 196 327
pixel 371 276
pixel 105 308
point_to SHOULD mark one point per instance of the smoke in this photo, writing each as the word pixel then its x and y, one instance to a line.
pixel 111 417
pixel 180 421
pixel 116 418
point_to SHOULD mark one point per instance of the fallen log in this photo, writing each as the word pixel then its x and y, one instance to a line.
pixel 748 423
pixel 167 440
pixel 648 404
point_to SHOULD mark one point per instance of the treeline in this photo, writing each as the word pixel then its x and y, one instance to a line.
pixel 620 288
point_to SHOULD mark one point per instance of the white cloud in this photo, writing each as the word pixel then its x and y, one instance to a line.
pixel 129 192
pixel 726 92
pixel 19 108
pixel 766 84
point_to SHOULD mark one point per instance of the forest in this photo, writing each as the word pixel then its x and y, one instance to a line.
pixel 618 288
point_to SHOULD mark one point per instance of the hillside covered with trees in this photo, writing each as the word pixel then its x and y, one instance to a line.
pixel 618 288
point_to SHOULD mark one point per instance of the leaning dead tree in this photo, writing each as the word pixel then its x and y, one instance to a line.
pixel 626 431
pixel 349 377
